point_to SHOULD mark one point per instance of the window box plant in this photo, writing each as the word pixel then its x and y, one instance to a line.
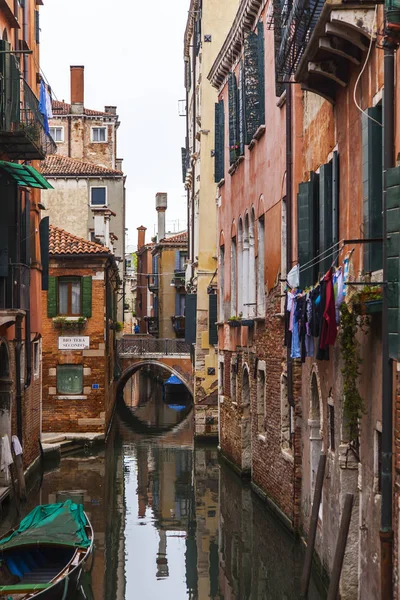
pixel 70 323
pixel 234 321
pixel 247 322
pixel 368 300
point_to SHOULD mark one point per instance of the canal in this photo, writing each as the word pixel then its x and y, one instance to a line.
pixel 170 520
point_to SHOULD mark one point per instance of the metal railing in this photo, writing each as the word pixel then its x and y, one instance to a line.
pixel 32 121
pixel 152 282
pixel 136 346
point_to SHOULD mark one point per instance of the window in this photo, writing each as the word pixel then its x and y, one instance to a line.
pixel 234 370
pixel 221 281
pixel 57 133
pixel 36 359
pixel 260 268
pixel 69 296
pixel 221 376
pixel 261 396
pixel 70 379
pixel 219 144
pixel 233 277
pixel 286 441
pixel 99 134
pixel 98 196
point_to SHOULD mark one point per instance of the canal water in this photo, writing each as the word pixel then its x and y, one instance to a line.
pixel 171 521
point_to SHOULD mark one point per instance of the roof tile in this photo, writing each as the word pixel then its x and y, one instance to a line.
pixel 63 108
pixel 63 242
pixel 64 165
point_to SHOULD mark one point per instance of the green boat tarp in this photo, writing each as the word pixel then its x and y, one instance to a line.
pixel 58 524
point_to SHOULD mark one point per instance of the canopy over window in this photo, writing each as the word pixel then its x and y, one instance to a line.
pixel 25 175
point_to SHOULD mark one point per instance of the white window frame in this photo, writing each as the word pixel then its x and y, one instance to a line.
pixel 104 127
pixel 261 396
pixel 61 128
pixel 36 359
pixel 103 187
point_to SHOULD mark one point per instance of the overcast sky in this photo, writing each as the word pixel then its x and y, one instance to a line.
pixel 133 57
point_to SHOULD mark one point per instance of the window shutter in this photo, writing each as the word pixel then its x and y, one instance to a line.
pixel 87 296
pixel 372 186
pixel 190 318
pixel 44 251
pixel 307 228
pixel 212 320
pixel 335 197
pixel 177 260
pixel 233 118
pixel 252 100
pixel 261 71
pixel 4 253
pixel 26 229
pixel 177 304
pixel 184 163
pixel 37 27
pixel 52 297
pixel 219 150
pixel 325 215
pixel 241 121
pixel 393 262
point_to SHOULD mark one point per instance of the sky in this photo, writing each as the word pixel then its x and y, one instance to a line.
pixel 133 57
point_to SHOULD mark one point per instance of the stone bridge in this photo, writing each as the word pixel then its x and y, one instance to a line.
pixel 135 352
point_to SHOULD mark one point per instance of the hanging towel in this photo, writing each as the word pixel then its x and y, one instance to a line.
pixel 49 105
pixel 293 277
pixel 6 456
pixel 42 107
pixel 16 445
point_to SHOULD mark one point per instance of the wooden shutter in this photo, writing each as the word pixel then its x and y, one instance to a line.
pixel 212 319
pixel 372 186
pixel 393 262
pixel 233 118
pixel 44 251
pixel 219 150
pixel 241 116
pixel 261 71
pixel 335 197
pixel 252 100
pixel 87 296
pixel 37 27
pixel 325 215
pixel 10 88
pixel 52 297
pixel 307 229
pixel 190 318
pixel 177 260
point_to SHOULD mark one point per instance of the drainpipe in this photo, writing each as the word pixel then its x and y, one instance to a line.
pixel 386 531
pixel 18 394
pixel 289 192
pixel 26 38
pixel 194 62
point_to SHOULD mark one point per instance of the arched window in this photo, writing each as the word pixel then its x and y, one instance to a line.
pixel 261 396
pixel 315 427
pixel 245 387
pixel 246 422
pixel 252 299
pixel 261 267
pixel 221 282
pixel 233 277
pixel 240 268
pixel 246 266
pixel 4 362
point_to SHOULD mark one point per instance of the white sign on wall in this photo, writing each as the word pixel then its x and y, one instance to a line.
pixel 81 342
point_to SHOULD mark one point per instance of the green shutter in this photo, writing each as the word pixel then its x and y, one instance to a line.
pixel 335 197
pixel 219 150
pixel 307 229
pixel 190 318
pixel 44 251
pixel 212 319
pixel 325 215
pixel 252 100
pixel 52 297
pixel 261 71
pixel 372 175
pixel 233 118
pixel 393 262
pixel 241 120
pixel 87 296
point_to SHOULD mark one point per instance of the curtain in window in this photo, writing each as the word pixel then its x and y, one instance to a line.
pixel 63 298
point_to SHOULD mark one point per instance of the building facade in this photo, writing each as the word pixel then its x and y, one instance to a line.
pixel 144 297
pixel 207 24
pixel 24 143
pixel 301 174
pixel 79 323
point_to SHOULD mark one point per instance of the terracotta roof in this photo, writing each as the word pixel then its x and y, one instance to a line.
pixel 63 108
pixel 179 237
pixel 63 242
pixel 64 165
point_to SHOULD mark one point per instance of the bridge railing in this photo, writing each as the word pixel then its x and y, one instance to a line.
pixel 135 346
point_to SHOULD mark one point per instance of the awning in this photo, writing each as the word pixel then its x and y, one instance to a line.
pixel 25 175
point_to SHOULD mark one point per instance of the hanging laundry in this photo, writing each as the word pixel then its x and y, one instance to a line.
pixel 43 107
pixel 16 445
pixel 309 337
pixel 338 286
pixel 296 349
pixel 6 456
pixel 329 326
pixel 49 104
pixel 323 349
pixel 293 277
pixel 288 334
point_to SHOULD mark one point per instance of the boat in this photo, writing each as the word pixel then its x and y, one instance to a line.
pixel 175 392
pixel 44 556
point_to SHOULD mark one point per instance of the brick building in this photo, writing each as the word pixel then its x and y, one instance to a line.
pixel 24 143
pixel 144 297
pixel 79 322
pixel 300 181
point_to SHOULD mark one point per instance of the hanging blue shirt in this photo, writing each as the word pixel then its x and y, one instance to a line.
pixel 43 107
pixel 296 350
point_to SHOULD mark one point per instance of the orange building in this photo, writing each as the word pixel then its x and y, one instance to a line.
pixel 24 142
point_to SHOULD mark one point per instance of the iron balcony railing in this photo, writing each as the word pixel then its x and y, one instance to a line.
pixel 15 289
pixel 294 23
pixel 153 282
pixel 22 128
pixel 136 346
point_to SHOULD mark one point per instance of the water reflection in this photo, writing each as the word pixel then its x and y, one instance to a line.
pixel 171 522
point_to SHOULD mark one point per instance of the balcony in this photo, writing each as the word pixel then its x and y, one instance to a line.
pixel 318 41
pixel 153 282
pixel 152 325
pixel 179 280
pixel 22 132
pixel 15 289
pixel 178 323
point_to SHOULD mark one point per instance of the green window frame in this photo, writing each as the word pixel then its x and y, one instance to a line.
pixel 70 380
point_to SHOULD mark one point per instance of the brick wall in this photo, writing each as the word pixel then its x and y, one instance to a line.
pixel 92 413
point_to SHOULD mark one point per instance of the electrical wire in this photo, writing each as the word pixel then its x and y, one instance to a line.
pixel 337 252
pixel 362 71
pixel 320 257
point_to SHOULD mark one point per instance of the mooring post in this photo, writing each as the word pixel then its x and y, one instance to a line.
pixel 305 578
pixel 340 547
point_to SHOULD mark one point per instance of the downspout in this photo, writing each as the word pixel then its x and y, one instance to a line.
pixel 69 135
pixel 187 156
pixel 194 55
pixel 26 38
pixel 28 343
pixel 18 387
pixel 386 531
pixel 289 192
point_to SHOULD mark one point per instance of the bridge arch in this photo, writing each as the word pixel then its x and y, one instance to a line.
pixel 137 365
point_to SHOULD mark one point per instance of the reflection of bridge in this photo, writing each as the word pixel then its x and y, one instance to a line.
pixel 135 352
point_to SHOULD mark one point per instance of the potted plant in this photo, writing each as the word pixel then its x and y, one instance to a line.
pixel 235 321
pixel 368 300
pixel 67 324
pixel 247 322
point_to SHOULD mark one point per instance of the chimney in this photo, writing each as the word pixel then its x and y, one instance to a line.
pixel 77 89
pixel 161 207
pixel 118 164
pixel 110 110
pixel 141 237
